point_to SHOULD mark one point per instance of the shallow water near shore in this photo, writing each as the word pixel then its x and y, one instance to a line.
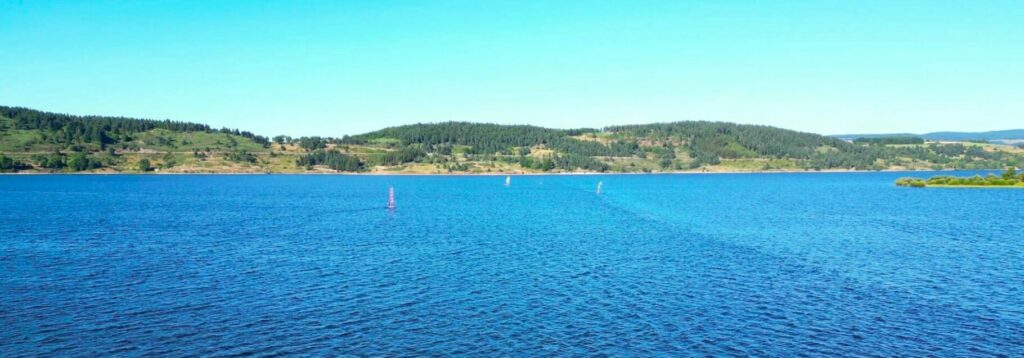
pixel 726 264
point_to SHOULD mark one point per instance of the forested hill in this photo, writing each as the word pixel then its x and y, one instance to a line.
pixel 100 129
pixel 724 140
pixel 482 138
pixel 33 140
pixel 672 146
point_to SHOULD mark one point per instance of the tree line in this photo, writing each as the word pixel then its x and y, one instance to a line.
pixel 889 140
pixel 103 130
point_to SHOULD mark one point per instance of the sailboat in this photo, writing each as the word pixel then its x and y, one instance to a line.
pixel 508 180
pixel 391 198
pixel 599 183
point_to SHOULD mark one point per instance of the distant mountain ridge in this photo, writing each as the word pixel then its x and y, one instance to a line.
pixel 1010 134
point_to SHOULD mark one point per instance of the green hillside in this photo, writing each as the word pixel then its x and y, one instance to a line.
pixel 39 141
pixel 43 141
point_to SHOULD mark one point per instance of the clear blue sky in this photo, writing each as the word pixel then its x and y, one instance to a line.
pixel 345 67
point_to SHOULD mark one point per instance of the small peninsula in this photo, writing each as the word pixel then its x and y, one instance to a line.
pixel 1009 179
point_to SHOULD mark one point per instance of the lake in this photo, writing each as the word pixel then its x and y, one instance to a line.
pixel 728 264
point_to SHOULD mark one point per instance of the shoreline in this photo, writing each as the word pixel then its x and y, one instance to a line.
pixel 973 186
pixel 831 171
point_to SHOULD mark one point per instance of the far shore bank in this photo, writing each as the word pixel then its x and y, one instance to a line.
pixel 977 186
pixel 828 171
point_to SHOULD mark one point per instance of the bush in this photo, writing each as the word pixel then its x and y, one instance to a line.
pixel 911 182
pixel 52 161
pixel 1010 173
pixel 9 164
pixel 80 161
pixel 665 163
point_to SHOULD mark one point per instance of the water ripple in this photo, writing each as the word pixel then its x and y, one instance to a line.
pixel 768 265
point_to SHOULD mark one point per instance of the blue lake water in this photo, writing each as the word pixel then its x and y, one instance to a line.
pixel 761 264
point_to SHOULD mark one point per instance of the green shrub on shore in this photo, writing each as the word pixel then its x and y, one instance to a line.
pixel 145 165
pixel 10 165
pixel 911 182
pixel 1008 178
pixel 1010 173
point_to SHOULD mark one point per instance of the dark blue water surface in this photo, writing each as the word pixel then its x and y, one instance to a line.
pixel 762 264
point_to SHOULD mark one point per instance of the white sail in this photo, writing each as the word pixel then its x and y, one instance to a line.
pixel 391 198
